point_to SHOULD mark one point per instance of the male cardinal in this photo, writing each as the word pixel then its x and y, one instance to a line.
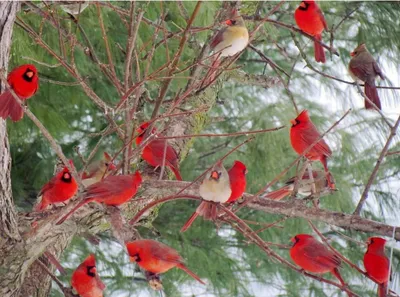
pixel 230 40
pixel 214 189
pixel 156 257
pixel 98 170
pixel 59 189
pixel 313 256
pixel 305 186
pixel 114 190
pixel 24 81
pixel 310 19
pixel 363 66
pixel 158 150
pixel 303 133
pixel 377 264
pixel 237 180
pixel 85 279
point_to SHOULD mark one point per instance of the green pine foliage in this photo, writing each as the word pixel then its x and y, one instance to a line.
pixel 230 265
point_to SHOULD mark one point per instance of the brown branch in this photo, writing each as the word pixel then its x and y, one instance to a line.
pixel 371 179
pixel 175 61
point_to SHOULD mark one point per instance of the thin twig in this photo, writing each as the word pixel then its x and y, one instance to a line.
pixel 371 179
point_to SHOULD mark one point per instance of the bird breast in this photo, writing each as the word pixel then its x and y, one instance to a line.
pixel 211 190
pixel 235 40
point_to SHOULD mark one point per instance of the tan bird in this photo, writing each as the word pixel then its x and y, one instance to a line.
pixel 305 186
pixel 214 189
pixel 98 170
pixel 233 38
pixel 229 41
pixel 363 67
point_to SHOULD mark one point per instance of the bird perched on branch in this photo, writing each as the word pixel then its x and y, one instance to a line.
pixel 214 189
pixel 310 19
pixel 229 41
pixel 114 190
pixel 98 170
pixel 156 257
pixel 158 152
pixel 24 81
pixel 377 264
pixel 85 279
pixel 363 67
pixel 60 188
pixel 305 186
pixel 303 133
pixel 313 256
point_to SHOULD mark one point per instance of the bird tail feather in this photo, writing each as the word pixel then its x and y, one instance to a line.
pixel 372 93
pixel 280 193
pixel 319 50
pixel 191 273
pixel 10 107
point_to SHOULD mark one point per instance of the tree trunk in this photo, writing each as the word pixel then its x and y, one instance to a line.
pixel 8 221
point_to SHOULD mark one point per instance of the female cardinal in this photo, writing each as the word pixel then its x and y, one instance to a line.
pixel 303 133
pixel 363 66
pixel 232 39
pixel 114 190
pixel 310 19
pixel 313 256
pixel 229 41
pixel 24 81
pixel 158 150
pixel 214 189
pixel 377 264
pixel 98 170
pixel 85 279
pixel 156 257
pixel 305 186
pixel 59 189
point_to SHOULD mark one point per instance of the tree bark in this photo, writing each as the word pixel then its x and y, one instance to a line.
pixel 8 221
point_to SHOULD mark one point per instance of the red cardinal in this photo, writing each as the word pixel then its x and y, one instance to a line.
pixel 237 180
pixel 59 189
pixel 310 19
pixel 98 170
pixel 215 188
pixel 24 81
pixel 114 190
pixel 156 257
pixel 313 256
pixel 85 279
pixel 153 152
pixel 363 67
pixel 305 186
pixel 303 133
pixel 377 264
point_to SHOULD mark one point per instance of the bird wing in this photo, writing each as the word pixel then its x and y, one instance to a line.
pixel 165 253
pixel 318 254
pixel 48 186
pixel 158 147
pixel 218 38
pixel 322 18
pixel 111 185
pixel 309 135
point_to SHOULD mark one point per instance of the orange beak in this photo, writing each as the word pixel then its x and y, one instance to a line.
pixel 111 166
pixel 293 122
pixel 29 74
pixel 229 22
pixel 93 270
pixel 352 54
pixel 302 4
pixel 215 175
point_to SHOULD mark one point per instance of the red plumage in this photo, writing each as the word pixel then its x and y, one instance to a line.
pixel 114 190
pixel 24 81
pixel 313 256
pixel 153 152
pixel 377 264
pixel 59 189
pixel 303 133
pixel 156 257
pixel 85 279
pixel 310 19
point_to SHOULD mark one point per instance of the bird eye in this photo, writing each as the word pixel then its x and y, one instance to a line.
pixel 106 164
